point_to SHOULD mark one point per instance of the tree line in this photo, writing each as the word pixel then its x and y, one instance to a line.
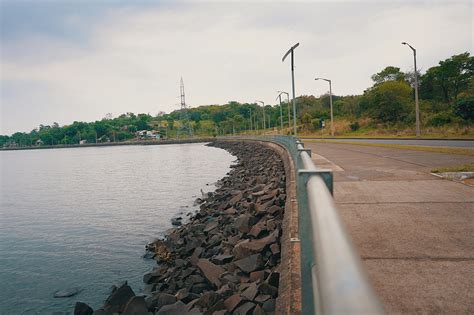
pixel 446 93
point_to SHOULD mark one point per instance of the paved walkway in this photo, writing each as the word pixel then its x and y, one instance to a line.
pixel 414 231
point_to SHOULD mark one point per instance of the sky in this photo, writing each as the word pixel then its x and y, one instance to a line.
pixel 71 60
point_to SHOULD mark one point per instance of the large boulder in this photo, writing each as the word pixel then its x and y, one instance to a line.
pixel 210 271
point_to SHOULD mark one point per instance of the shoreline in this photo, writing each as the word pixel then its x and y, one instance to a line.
pixel 111 144
pixel 226 259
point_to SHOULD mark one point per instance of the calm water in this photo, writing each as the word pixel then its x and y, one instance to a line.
pixel 81 217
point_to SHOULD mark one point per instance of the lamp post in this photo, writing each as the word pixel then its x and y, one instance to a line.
pixel 330 102
pixel 292 82
pixel 250 120
pixel 417 108
pixel 264 126
pixel 281 113
pixel 288 101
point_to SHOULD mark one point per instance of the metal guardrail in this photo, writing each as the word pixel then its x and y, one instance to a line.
pixel 333 279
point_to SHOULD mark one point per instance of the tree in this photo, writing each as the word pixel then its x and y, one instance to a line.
pixel 389 101
pixel 390 73
pixel 447 80
pixel 465 108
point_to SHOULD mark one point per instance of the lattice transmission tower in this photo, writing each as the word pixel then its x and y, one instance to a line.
pixel 185 128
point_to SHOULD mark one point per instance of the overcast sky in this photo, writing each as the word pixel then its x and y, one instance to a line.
pixel 79 60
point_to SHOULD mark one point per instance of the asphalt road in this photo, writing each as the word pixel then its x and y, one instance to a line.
pixel 420 142
pixel 414 231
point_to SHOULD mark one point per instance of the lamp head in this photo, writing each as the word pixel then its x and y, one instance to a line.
pixel 404 43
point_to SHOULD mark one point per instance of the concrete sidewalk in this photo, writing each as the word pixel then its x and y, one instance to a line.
pixel 414 231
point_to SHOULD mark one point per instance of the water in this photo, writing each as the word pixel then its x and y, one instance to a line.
pixel 81 217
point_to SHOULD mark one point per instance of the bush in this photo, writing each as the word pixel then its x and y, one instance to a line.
pixel 464 108
pixel 440 119
pixel 354 126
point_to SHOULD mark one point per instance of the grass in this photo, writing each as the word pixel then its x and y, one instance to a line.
pixel 458 151
pixel 458 168
pixel 370 129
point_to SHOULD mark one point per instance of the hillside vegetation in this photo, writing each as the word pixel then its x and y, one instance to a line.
pixel 446 93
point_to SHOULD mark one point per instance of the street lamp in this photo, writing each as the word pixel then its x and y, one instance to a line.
pixel 263 104
pixel 288 98
pixel 281 113
pixel 330 102
pixel 251 129
pixel 417 108
pixel 292 82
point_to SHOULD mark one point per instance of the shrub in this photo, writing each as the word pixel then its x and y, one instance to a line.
pixel 440 119
pixel 464 108
pixel 354 126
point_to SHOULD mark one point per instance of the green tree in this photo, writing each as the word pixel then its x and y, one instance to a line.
pixel 390 73
pixel 389 101
pixel 447 80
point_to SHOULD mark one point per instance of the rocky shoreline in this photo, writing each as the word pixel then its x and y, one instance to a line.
pixel 226 259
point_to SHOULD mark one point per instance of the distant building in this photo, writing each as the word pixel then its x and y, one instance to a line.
pixel 83 142
pixel 148 135
pixel 39 142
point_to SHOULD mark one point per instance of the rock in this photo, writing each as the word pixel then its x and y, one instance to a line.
pixel 251 292
pixel 274 210
pixel 135 306
pixel 249 264
pixel 159 300
pixel 218 306
pixel 274 279
pixel 265 288
pixel 211 226
pixel 242 223
pixel 172 309
pixel 222 259
pixel 116 302
pixel 235 199
pixel 151 277
pixel 258 310
pixel 199 288
pixel 257 230
pixel 246 248
pixel 185 296
pixel 210 271
pixel 177 221
pixel 207 300
pixel 196 254
pixel 269 305
pixel 257 276
pixel 275 248
pixel 82 309
pixel 148 255
pixel 244 309
pixel 232 302
pixel 67 292
pixel 262 298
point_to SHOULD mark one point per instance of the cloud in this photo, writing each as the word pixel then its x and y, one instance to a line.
pixel 132 57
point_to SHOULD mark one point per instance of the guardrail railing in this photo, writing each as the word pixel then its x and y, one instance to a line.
pixel 333 279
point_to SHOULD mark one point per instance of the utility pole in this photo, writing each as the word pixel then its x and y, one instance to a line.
pixel 330 102
pixel 250 109
pixel 183 114
pixel 281 111
pixel 288 102
pixel 292 83
pixel 263 107
pixel 417 108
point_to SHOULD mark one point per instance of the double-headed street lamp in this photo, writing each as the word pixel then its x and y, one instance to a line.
pixel 263 104
pixel 330 102
pixel 288 101
pixel 417 109
pixel 291 51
